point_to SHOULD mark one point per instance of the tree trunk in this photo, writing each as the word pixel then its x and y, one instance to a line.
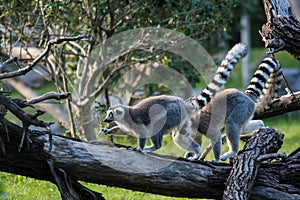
pixel 246 38
pixel 282 30
pixel 78 160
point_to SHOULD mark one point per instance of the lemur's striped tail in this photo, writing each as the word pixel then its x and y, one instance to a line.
pixel 265 82
pixel 223 73
pixel 270 91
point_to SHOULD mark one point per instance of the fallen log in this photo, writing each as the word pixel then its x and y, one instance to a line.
pixel 71 160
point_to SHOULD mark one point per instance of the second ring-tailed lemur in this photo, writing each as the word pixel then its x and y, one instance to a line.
pixel 233 110
pixel 154 116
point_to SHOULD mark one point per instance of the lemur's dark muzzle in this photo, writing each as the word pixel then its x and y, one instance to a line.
pixel 109 118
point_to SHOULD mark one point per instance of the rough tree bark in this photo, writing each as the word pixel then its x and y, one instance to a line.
pixel 281 105
pixel 282 30
pixel 70 160
pixel 246 164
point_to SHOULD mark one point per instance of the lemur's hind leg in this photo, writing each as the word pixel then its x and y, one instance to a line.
pixel 233 130
pixel 141 143
pixel 252 125
pixel 214 135
pixel 185 142
pixel 156 142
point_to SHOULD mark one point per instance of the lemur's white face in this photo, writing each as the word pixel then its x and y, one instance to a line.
pixel 114 114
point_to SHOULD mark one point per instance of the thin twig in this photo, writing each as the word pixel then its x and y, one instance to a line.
pixel 7 62
pixel 70 113
pixel 47 96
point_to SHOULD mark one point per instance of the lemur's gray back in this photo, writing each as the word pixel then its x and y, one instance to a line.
pixel 151 109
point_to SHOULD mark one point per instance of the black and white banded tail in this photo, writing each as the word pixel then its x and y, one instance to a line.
pixel 223 73
pixel 265 82
pixel 270 91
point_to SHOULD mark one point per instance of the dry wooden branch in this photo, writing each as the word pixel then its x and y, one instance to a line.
pixel 47 96
pixel 282 30
pixel 133 170
pixel 26 118
pixel 29 67
pixel 7 62
pixel 281 105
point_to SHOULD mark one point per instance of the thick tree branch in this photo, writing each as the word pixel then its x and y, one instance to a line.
pixel 282 28
pixel 246 164
pixel 281 105
pixel 133 170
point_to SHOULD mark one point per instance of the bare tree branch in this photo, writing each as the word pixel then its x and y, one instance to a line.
pixel 58 114
pixel 47 96
pixel 40 57
pixel 281 105
pixel 7 62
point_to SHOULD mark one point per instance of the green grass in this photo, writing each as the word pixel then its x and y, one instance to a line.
pixel 22 188
pixel 288 124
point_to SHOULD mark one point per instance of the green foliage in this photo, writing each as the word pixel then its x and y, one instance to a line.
pixel 2 190
pixel 102 19
pixel 33 23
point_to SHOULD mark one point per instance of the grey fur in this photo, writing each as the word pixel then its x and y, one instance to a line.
pixel 231 109
pixel 155 116
pixel 152 117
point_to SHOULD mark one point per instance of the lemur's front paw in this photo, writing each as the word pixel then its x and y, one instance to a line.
pixel 103 131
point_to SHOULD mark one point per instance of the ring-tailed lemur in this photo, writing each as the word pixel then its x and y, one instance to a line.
pixel 234 110
pixel 155 116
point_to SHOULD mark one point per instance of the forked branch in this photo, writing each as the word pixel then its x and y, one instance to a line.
pixel 29 67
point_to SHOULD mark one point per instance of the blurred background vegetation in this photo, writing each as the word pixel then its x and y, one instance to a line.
pixel 215 24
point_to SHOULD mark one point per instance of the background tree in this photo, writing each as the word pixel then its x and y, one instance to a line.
pixel 27 26
pixel 65 161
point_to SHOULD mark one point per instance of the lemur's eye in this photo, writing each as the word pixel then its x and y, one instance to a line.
pixel 110 115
